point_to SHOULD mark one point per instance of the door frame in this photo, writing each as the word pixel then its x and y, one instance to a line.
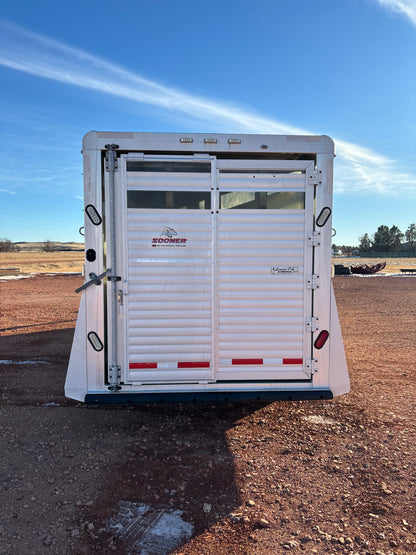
pixel 122 259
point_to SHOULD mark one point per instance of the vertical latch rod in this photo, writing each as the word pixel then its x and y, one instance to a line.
pixel 111 166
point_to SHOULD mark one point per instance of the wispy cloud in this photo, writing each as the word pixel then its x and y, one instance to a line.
pixel 404 7
pixel 8 191
pixel 358 168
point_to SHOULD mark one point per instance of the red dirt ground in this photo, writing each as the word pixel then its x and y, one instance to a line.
pixel 257 479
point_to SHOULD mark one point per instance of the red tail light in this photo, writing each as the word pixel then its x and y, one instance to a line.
pixel 321 339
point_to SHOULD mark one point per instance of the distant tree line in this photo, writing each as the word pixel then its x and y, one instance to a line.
pixel 7 246
pixel 389 239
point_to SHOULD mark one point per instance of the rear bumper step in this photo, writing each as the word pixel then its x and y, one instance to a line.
pixel 206 396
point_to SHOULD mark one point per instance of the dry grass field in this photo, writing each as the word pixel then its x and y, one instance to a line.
pixel 31 259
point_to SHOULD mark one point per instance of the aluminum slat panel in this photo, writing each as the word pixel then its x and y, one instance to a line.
pixel 169 292
pixel 180 308
pixel 168 332
pixel 261 314
pixel 284 321
pixel 160 354
pixel 248 307
pixel 191 339
pixel 263 330
pixel 156 324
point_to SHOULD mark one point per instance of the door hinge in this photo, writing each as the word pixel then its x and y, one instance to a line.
pixel 311 366
pixel 312 323
pixel 314 239
pixel 114 377
pixel 315 177
pixel 111 161
pixel 313 282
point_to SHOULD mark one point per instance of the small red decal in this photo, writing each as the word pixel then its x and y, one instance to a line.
pixel 142 365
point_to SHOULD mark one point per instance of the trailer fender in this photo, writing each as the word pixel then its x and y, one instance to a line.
pixel 76 379
pixel 339 379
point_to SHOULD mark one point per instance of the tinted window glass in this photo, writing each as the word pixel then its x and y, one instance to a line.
pixel 173 200
pixel 250 200
pixel 171 167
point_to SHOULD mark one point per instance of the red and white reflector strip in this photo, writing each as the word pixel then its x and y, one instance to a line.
pixel 223 362
pixel 167 365
pixel 261 361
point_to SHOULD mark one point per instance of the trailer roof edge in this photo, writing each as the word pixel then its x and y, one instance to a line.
pixel 209 142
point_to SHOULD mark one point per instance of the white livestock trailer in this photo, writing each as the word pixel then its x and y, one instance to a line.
pixel 208 270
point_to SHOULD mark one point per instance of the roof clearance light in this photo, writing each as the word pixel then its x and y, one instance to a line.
pixel 93 214
pixel 210 141
pixel 321 339
pixel 186 140
pixel 323 216
pixel 95 341
pixel 234 141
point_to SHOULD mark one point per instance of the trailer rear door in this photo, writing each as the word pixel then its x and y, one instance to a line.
pixel 262 266
pixel 215 263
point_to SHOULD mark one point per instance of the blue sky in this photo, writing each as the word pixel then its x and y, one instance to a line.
pixel 344 68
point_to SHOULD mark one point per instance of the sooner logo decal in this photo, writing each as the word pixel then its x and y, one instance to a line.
pixel 168 238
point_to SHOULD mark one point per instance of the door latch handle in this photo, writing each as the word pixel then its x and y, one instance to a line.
pixel 94 279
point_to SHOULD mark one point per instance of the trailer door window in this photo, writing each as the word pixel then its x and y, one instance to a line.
pixel 170 200
pixel 254 200
pixel 168 167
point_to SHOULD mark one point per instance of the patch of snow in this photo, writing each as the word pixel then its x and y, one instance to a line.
pixel 207 508
pixel 148 531
pixel 316 419
pixel 23 362
pixel 24 276
pixel 61 274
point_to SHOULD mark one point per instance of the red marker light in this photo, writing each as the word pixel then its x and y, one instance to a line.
pixel 321 339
